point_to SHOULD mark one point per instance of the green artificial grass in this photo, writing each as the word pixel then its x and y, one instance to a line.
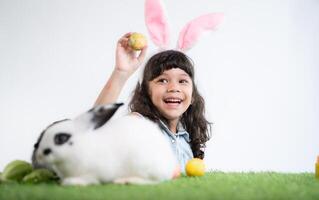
pixel 214 185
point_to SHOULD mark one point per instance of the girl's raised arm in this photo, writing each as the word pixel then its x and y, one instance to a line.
pixel 126 63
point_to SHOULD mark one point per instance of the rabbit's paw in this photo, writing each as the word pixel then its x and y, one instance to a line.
pixel 83 181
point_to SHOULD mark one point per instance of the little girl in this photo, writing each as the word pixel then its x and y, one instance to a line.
pixel 167 96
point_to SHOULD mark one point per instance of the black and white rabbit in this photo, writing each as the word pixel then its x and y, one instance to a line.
pixel 92 150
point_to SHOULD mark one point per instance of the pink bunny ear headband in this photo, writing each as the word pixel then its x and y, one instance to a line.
pixel 157 26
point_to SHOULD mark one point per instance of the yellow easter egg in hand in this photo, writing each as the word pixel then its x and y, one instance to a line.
pixel 195 167
pixel 137 41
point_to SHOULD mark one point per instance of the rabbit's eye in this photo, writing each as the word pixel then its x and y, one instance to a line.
pixel 61 138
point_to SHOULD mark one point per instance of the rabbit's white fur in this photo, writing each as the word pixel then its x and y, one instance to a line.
pixel 130 149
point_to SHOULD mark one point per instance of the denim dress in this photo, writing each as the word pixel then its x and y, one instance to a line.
pixel 180 143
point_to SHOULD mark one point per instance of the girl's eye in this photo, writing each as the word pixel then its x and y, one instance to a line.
pixel 162 80
pixel 184 81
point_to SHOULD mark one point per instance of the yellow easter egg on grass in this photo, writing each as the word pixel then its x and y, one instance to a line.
pixel 137 41
pixel 195 167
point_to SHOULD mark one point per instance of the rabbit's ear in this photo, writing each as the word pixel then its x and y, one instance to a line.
pixel 193 29
pixel 156 23
pixel 95 117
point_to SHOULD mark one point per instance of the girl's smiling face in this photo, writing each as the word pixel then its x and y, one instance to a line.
pixel 171 93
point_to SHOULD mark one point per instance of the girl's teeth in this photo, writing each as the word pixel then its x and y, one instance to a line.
pixel 172 101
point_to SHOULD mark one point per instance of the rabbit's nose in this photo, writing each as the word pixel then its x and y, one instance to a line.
pixel 47 151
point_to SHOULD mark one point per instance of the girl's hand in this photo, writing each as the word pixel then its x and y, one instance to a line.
pixel 127 60
pixel 126 63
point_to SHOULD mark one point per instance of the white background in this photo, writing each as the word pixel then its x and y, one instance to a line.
pixel 258 73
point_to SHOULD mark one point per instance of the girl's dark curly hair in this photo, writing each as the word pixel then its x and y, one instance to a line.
pixel 193 119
